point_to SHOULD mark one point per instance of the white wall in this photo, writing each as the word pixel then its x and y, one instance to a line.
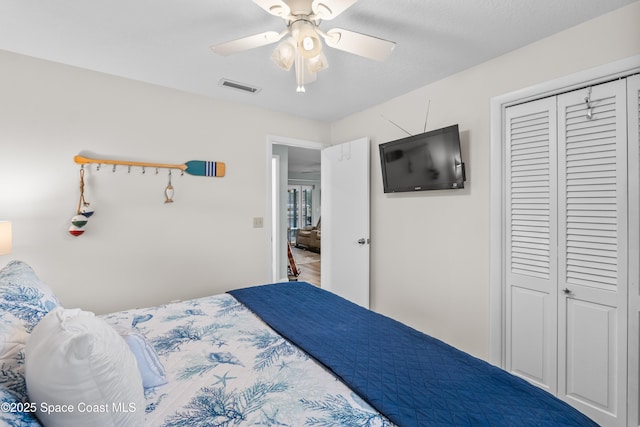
pixel 137 250
pixel 430 250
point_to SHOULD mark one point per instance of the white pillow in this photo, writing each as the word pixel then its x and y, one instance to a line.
pixel 80 372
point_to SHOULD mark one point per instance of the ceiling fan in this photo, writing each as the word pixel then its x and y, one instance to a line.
pixel 303 48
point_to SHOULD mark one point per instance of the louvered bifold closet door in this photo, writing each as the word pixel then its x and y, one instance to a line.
pixel 633 108
pixel 592 220
pixel 531 291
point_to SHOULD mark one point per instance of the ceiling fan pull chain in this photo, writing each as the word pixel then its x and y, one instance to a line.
pixel 299 73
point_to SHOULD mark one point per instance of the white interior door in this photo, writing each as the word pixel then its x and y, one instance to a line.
pixel 593 234
pixel 531 246
pixel 345 220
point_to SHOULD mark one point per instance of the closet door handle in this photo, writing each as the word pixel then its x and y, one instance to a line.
pixel 567 291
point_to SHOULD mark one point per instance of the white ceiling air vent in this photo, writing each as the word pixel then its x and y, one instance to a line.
pixel 238 86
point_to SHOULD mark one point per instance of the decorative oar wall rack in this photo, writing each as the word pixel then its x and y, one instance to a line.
pixel 192 167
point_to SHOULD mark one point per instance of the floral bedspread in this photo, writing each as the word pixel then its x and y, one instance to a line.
pixel 226 367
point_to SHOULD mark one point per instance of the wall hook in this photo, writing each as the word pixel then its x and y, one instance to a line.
pixel 587 100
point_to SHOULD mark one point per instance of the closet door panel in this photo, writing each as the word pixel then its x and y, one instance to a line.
pixel 592 251
pixel 531 300
pixel 633 108
pixel 529 334
pixel 591 330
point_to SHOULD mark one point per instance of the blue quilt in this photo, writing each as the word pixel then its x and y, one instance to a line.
pixel 412 378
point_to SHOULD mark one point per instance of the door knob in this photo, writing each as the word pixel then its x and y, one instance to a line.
pixel 567 291
pixel 363 241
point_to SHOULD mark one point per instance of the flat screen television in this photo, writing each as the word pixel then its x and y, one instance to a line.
pixel 427 161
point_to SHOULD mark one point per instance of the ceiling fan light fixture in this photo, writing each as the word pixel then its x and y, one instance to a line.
pixel 306 37
pixel 284 55
pixel 307 43
pixel 317 63
pixel 310 46
pixel 304 48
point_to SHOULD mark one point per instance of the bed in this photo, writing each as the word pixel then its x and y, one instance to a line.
pixel 284 354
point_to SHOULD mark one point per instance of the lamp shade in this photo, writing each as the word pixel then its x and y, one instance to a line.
pixel 306 37
pixel 317 63
pixel 5 237
pixel 285 54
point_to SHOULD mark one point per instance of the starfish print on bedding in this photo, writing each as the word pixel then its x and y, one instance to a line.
pixel 223 379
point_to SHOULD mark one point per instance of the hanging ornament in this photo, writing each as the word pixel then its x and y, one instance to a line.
pixel 83 212
pixel 75 231
pixel 79 220
pixel 168 192
pixel 86 211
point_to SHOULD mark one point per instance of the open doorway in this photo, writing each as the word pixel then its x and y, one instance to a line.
pixel 304 229
pixel 294 198
pixel 345 215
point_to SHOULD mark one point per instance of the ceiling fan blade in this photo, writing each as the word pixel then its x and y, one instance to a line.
pixel 359 44
pixel 329 9
pixel 274 7
pixel 246 43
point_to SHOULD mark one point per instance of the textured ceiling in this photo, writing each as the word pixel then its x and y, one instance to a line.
pixel 166 42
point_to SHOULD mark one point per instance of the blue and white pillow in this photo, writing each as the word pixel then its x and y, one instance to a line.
pixel 15 412
pixel 24 301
